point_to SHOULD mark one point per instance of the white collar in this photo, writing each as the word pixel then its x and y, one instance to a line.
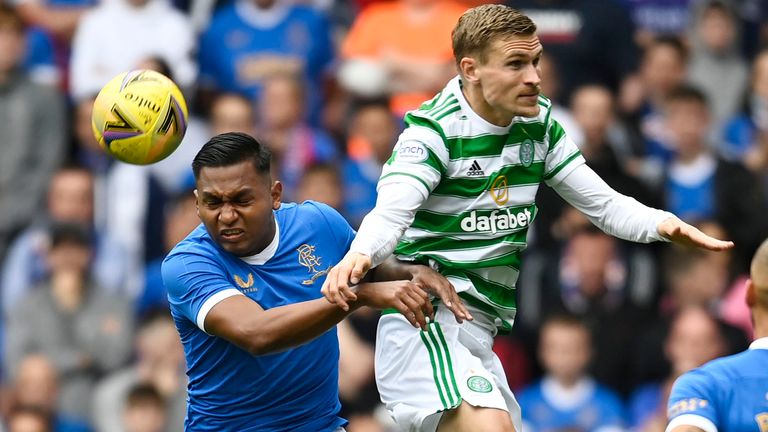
pixel 268 252
pixel 761 343
pixel 262 19
pixel 567 398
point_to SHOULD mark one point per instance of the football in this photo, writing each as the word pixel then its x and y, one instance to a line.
pixel 139 117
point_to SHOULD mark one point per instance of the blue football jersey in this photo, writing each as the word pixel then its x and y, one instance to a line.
pixel 230 389
pixel 726 395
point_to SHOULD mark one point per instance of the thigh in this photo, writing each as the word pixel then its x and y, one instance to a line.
pixel 477 419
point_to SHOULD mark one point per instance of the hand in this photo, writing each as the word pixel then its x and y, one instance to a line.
pixel 350 271
pixel 438 285
pixel 407 297
pixel 681 233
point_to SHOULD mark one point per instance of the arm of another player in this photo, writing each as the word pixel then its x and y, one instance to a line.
pixel 376 239
pixel 246 324
pixel 430 280
pixel 625 217
pixel 692 403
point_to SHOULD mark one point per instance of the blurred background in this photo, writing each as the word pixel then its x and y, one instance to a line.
pixel 667 99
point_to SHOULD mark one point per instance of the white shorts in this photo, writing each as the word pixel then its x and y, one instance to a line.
pixel 421 374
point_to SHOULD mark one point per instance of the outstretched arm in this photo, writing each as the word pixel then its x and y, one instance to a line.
pixel 626 218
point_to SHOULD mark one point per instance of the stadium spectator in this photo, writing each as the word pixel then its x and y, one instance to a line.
pixel 159 364
pixel 400 49
pixel 550 87
pixel 250 40
pixel 295 144
pixel 371 136
pixel 117 35
pixel 729 393
pixel 746 134
pixel 567 397
pixel 716 53
pixel 699 185
pixel 82 329
pixel 36 385
pixel 692 279
pixel 32 124
pixel 694 338
pixel 144 410
pixel 321 182
pixel 180 219
pixel 232 112
pixel 590 41
pixel 29 419
pixel 70 199
pixel 663 68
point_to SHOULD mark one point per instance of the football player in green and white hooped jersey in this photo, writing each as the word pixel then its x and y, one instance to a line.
pixel 458 193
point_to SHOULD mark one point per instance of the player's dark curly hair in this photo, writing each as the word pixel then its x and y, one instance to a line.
pixel 229 149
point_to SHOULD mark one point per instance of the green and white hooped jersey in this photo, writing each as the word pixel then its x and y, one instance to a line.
pixel 479 182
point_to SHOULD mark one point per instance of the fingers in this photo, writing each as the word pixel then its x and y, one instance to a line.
pixel 683 233
pixel 702 240
pixel 360 269
pixel 447 293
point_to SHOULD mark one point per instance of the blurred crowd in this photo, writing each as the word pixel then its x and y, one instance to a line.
pixel 667 99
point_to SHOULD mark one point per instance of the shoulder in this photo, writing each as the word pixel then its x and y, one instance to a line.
pixel 195 248
pixel 306 13
pixel 310 212
pixel 223 18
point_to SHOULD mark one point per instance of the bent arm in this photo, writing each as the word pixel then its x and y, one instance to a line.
pixel 612 212
pixel 246 324
pixel 243 322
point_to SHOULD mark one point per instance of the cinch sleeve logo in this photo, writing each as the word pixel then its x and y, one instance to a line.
pixel 411 152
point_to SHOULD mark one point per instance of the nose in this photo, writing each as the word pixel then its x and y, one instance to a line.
pixel 532 76
pixel 227 215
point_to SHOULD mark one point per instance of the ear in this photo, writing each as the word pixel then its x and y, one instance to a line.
pixel 276 191
pixel 751 294
pixel 468 70
pixel 197 206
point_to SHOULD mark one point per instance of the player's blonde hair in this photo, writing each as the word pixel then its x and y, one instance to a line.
pixel 480 26
pixel 758 272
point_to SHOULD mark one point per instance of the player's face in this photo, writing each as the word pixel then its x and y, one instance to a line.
pixel 235 204
pixel 510 77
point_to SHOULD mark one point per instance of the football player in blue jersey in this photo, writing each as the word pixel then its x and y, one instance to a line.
pixel 244 289
pixel 730 394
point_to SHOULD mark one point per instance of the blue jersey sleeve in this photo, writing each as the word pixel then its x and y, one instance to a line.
pixel 195 284
pixel 693 400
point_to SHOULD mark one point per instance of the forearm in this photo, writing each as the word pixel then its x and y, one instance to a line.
pixel 382 228
pixel 614 213
pixel 393 269
pixel 289 326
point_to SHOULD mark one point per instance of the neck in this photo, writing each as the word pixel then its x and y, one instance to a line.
pixel 474 96
pixel 688 157
pixel 68 287
pixel 567 382
pixel 760 320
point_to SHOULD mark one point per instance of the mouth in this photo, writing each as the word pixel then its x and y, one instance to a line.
pixel 231 234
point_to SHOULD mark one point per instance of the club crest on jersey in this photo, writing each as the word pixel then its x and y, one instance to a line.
pixel 526 153
pixel 411 152
pixel 308 259
pixel 499 191
pixel 479 384
pixel 245 285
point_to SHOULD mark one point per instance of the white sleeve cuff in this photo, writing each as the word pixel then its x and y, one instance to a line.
pixel 213 301
pixel 698 421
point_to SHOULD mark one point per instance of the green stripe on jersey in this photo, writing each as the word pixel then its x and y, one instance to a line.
pixel 562 165
pixel 556 133
pixel 468 187
pixel 509 258
pixel 499 294
pixel 493 145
